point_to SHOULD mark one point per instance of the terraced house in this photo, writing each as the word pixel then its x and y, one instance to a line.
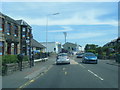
pixel 15 36
pixel 10 35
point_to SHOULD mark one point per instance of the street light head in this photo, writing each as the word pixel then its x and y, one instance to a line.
pixel 55 13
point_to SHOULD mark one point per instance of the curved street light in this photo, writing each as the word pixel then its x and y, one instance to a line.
pixel 47 27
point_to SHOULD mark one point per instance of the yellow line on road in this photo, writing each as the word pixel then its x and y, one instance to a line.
pixel 31 81
pixel 65 73
pixel 63 69
pixel 73 62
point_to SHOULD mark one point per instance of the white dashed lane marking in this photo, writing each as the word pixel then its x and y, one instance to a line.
pixel 95 75
pixel 82 66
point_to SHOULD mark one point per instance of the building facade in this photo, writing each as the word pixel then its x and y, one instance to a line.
pixel 9 35
pixel 25 38
pixel 52 46
pixel 71 47
pixel 15 36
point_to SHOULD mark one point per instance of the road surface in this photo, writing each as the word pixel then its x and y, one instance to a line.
pixel 77 75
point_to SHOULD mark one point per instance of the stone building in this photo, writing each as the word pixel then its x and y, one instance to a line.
pixel 9 35
pixel 15 36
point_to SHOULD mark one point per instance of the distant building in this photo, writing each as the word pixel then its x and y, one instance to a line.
pixel 71 47
pixel 52 46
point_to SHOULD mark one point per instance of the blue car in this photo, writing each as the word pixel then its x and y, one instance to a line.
pixel 90 58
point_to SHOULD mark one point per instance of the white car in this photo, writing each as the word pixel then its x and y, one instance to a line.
pixel 62 58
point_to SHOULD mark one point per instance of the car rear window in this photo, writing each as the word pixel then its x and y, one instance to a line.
pixel 62 55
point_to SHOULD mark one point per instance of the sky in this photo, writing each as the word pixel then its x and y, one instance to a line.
pixel 84 22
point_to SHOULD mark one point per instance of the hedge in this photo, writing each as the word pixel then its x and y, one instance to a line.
pixel 9 59
pixel 12 59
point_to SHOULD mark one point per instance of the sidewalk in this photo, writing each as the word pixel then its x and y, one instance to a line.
pixel 113 62
pixel 19 78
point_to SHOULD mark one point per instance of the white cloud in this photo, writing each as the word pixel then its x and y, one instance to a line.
pixel 83 18
pixel 84 35
pixel 59 31
pixel 65 29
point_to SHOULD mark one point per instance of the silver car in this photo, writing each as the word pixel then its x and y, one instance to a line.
pixel 62 58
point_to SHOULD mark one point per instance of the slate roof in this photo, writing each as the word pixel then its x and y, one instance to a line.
pixel 22 22
pixel 35 43
pixel 69 43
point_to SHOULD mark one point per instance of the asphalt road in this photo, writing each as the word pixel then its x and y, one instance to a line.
pixel 78 75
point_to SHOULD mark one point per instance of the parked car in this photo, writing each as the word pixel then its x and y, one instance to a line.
pixel 62 58
pixel 79 55
pixel 90 58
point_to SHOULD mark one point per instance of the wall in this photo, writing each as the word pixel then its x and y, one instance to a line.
pixel 51 46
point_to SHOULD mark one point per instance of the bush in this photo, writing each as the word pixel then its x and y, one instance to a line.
pixel 25 58
pixel 92 51
pixel 9 59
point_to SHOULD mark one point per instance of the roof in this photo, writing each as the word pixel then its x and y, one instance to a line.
pixel 22 22
pixel 69 43
pixel 36 44
pixel 51 42
pixel 8 18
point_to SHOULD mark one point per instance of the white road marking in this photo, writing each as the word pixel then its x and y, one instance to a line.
pixel 82 66
pixel 95 75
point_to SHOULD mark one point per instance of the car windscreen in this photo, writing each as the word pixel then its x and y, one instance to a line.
pixel 89 55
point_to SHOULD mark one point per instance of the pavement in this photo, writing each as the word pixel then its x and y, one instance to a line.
pixel 113 62
pixel 18 78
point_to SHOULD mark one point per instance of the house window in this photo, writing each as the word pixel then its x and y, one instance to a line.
pixel 8 29
pixel 23 36
pixel 15 49
pixel 0 27
pixel 9 48
pixel 1 48
pixel 23 30
pixel 15 30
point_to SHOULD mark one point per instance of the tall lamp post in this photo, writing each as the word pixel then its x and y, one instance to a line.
pixel 65 34
pixel 47 29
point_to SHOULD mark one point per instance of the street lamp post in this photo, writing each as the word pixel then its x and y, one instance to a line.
pixel 65 34
pixel 47 29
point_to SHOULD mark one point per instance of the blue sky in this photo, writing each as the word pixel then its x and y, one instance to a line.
pixel 84 22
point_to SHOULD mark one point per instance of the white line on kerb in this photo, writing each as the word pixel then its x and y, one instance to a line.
pixel 95 75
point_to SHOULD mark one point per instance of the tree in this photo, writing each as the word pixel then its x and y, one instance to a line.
pixel 90 47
